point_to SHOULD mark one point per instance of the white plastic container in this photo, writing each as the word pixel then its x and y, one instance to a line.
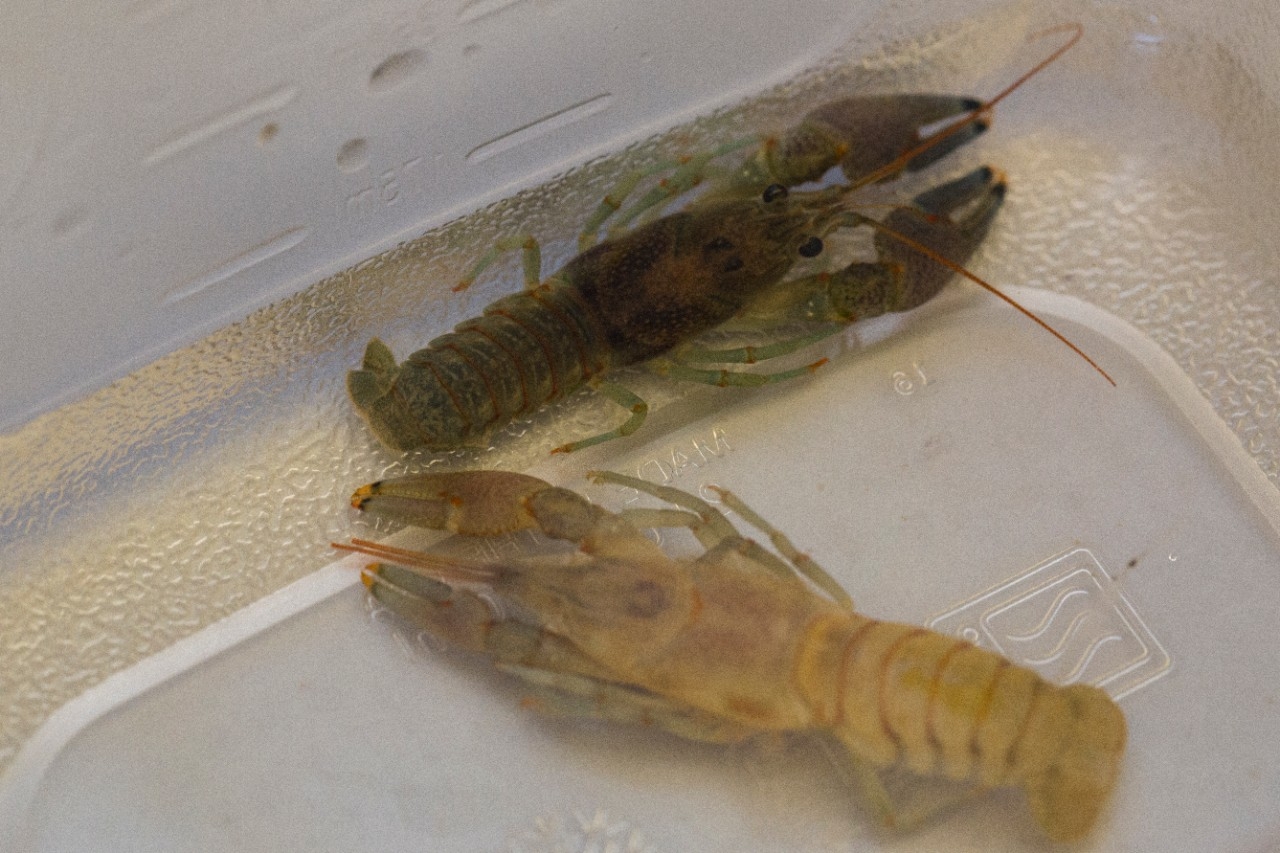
pixel 187 165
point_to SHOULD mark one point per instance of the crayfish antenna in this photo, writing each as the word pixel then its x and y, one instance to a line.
pixel 455 569
pixel 962 270
pixel 984 109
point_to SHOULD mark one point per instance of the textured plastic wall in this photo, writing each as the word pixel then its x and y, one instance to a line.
pixel 1142 175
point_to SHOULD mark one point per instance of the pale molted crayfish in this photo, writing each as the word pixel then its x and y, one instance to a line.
pixel 733 643
pixel 646 294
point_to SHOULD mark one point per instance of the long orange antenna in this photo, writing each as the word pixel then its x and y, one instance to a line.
pixel 455 569
pixel 897 165
pixel 958 268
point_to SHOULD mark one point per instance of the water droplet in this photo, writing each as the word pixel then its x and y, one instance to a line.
pixel 353 155
pixel 395 69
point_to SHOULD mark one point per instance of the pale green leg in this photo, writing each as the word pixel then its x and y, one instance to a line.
pixel 719 526
pixel 905 801
pixel 569 695
pixel 646 517
pixel 623 397
pixel 803 563
pixel 689 174
pixel 730 378
pixel 807 299
pixel 531 259
pixel 754 354
pixel 874 793
pixel 708 524
pixel 613 202
pixel 799 563
pixel 713 531
pixel 716 533
pixel 866 778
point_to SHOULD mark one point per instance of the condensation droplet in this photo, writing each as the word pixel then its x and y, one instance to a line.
pixel 395 69
pixel 353 155
pixel 70 221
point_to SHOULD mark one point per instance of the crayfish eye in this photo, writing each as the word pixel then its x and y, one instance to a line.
pixel 811 248
pixel 773 192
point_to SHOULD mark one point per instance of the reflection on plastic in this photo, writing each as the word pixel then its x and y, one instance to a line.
pixel 584 832
pixel 1065 619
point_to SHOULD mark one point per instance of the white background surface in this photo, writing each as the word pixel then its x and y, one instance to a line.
pixel 183 165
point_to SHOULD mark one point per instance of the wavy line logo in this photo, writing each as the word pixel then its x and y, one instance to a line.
pixel 1066 620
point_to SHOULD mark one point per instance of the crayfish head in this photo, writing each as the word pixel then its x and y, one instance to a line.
pixel 672 279
pixel 751 244
pixel 612 609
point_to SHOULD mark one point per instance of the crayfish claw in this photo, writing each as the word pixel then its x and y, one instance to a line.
pixel 877 130
pixel 919 248
pixel 950 221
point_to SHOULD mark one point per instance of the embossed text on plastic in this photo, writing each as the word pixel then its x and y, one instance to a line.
pixel 1066 619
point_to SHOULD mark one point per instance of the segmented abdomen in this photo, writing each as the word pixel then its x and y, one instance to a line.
pixel 942 706
pixel 526 350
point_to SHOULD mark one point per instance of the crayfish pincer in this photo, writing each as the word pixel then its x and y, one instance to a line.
pixel 735 642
